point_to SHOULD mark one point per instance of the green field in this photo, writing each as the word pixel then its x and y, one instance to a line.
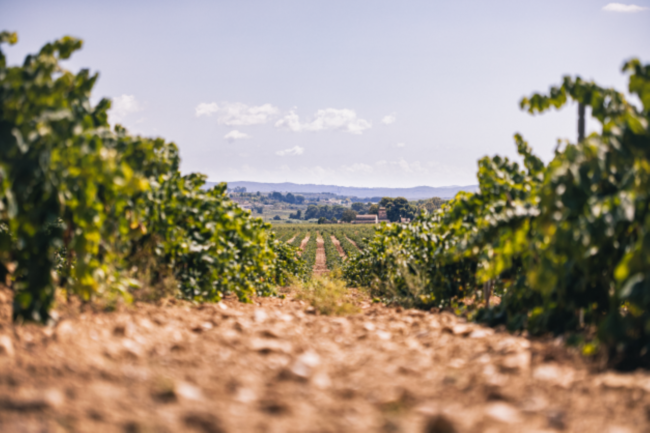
pixel 352 239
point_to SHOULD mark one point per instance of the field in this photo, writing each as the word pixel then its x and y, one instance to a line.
pixel 326 246
pixel 136 298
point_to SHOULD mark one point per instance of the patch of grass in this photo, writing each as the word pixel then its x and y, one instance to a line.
pixel 327 295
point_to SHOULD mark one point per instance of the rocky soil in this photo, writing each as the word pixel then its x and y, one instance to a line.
pixel 320 265
pixel 272 366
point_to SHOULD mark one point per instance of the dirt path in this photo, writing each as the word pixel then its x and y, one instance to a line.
pixel 353 243
pixel 291 240
pixel 320 266
pixel 339 248
pixel 303 243
pixel 271 366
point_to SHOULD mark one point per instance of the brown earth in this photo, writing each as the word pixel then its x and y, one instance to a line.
pixel 353 243
pixel 291 240
pixel 320 265
pixel 273 366
pixel 303 243
pixel 339 248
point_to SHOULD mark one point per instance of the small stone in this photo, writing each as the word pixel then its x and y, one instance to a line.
pixel 369 326
pixel 305 364
pixel 131 349
pixel 555 374
pixel 54 398
pixel 462 329
pixel 503 412
pixel 383 335
pixel 617 381
pixel 456 363
pixel 205 326
pixel 188 391
pixel 322 380
pixel 6 346
pixel 245 395
pixel 481 333
pixel 222 306
pixel 518 361
pixel 259 316
pixel 264 345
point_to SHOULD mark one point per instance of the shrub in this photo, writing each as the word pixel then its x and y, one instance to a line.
pixel 564 244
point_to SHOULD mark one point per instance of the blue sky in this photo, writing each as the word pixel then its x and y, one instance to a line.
pixel 359 93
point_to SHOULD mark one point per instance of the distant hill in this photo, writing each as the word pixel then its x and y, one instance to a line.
pixel 415 193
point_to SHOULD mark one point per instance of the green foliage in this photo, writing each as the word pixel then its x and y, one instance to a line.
pixel 327 295
pixel 332 256
pixel 430 205
pixel 84 206
pixel 563 244
pixel 399 208
pixel 348 215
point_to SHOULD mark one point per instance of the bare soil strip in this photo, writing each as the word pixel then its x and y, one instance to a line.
pixel 353 243
pixel 339 248
pixel 303 243
pixel 271 366
pixel 291 240
pixel 320 266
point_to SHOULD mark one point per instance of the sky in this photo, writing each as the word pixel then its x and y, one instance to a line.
pixel 367 93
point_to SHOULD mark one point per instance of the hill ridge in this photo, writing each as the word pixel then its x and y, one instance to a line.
pixel 413 193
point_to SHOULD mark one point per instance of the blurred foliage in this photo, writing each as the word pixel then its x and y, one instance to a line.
pixel 83 206
pixel 566 245
pixel 328 296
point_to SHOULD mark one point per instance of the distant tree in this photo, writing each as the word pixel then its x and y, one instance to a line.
pixel 258 193
pixel 300 199
pixel 311 212
pixel 400 208
pixel 359 207
pixel 385 201
pixel 290 198
pixel 431 205
pixel 277 196
pixel 277 218
pixel 322 220
pixel 259 209
pixel 348 215
pixel 373 209
pixel 296 216
pixel 240 189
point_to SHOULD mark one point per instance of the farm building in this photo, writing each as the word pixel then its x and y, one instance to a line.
pixel 383 218
pixel 373 219
pixel 365 219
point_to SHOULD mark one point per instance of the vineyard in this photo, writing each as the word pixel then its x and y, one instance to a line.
pixel 135 297
pixel 339 241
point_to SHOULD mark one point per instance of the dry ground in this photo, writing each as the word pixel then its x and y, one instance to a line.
pixel 274 367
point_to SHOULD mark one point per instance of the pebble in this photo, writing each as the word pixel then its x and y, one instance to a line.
pixel 555 374
pixel 503 412
pixel 6 346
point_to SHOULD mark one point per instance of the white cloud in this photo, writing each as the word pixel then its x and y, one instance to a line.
pixel 401 144
pixel 235 135
pixel 206 109
pixel 387 120
pixel 236 113
pixel 122 106
pixel 400 166
pixel 296 150
pixel 329 118
pixel 358 167
pixel 620 7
